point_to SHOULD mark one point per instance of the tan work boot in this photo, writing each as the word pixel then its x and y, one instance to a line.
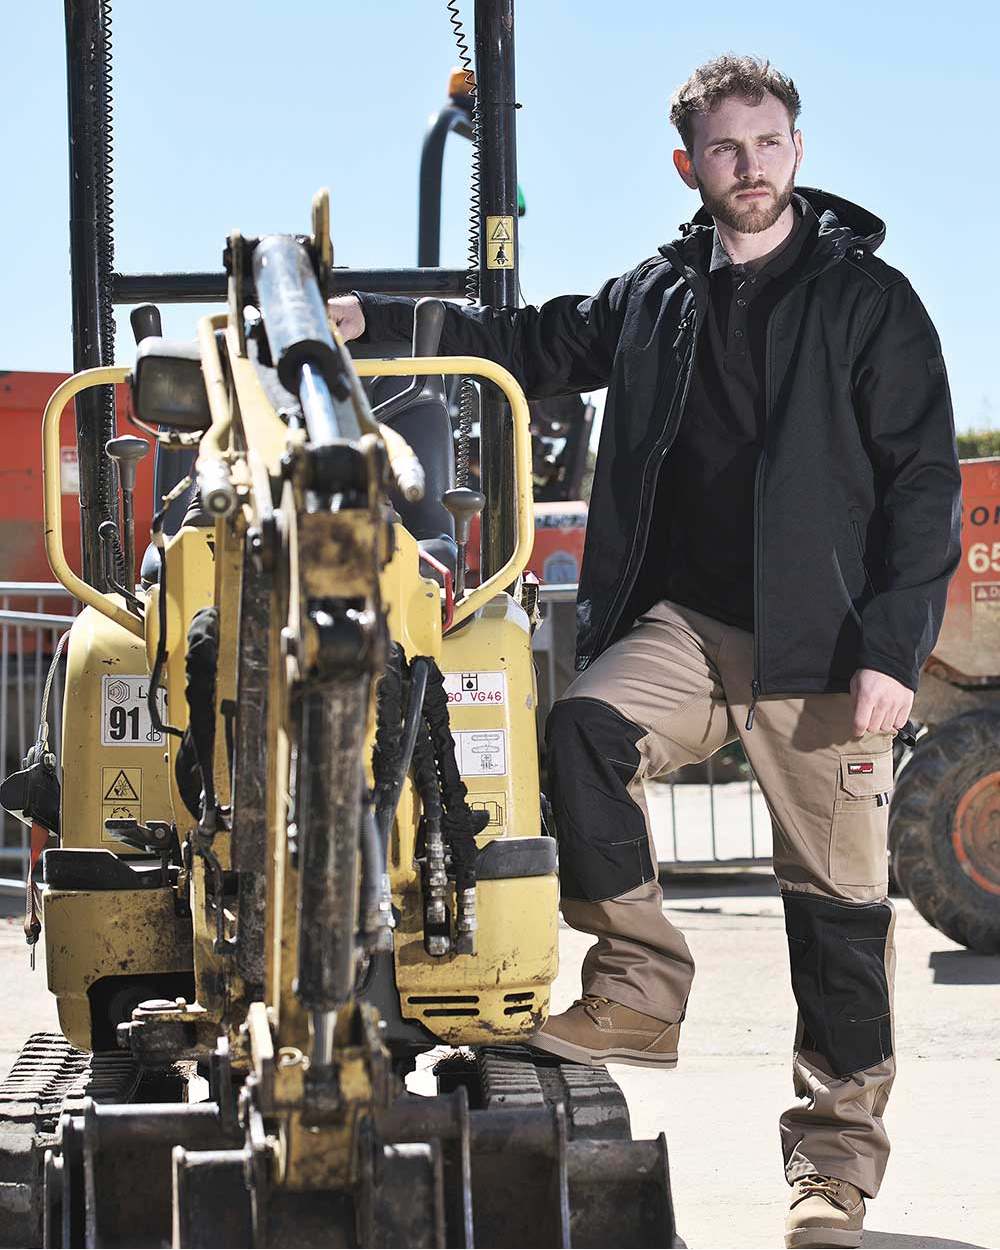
pixel 824 1211
pixel 597 1031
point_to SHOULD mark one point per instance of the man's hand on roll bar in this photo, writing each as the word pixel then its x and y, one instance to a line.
pixel 344 312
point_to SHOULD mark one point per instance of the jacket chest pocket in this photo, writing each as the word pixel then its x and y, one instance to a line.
pixel 858 850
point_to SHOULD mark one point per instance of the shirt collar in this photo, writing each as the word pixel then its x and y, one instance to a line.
pixel 787 250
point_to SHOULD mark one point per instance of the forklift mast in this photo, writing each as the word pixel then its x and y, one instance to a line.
pixel 97 287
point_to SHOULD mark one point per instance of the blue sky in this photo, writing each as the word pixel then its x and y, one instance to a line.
pixel 232 115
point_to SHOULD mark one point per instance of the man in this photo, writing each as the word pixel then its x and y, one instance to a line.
pixel 773 523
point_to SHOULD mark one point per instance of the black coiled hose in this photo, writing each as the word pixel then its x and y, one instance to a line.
pixel 467 392
pixel 102 103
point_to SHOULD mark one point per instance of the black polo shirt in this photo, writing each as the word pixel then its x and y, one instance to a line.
pixel 709 473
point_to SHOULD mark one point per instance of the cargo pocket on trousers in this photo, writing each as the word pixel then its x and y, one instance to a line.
pixel 858 849
pixel 633 861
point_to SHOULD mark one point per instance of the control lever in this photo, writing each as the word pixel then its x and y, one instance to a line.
pixel 107 532
pixel 463 504
pixel 428 321
pixel 126 451
pixel 157 837
pixel 146 323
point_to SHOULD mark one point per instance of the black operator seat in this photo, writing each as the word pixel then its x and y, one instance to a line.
pixel 169 468
pixel 426 425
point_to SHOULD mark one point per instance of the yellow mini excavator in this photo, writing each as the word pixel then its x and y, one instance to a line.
pixel 301 843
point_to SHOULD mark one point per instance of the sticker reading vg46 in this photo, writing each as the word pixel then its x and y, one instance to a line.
pixel 125 720
pixel 472 689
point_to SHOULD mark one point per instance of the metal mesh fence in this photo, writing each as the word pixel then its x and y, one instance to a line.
pixel 33 616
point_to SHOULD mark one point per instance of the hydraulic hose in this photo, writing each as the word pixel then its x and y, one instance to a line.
pixel 419 671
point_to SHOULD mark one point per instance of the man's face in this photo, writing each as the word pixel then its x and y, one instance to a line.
pixel 743 161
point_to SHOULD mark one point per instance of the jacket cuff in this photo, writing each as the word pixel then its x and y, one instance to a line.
pixel 386 317
pixel 907 674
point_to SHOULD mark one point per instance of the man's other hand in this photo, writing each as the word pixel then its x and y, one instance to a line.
pixel 881 703
pixel 345 313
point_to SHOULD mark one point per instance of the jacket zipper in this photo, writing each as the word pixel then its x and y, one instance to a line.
pixel 758 559
pixel 756 687
pixel 657 455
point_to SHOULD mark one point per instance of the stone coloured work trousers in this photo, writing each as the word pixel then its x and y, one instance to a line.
pixel 672 692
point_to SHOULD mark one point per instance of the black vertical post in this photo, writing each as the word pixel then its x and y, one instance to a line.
pixel 88 79
pixel 451 117
pixel 498 260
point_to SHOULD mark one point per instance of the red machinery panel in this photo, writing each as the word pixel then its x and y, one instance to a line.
pixel 970 638
pixel 23 397
pixel 558 550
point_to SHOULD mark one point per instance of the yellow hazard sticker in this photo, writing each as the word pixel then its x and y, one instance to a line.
pixel 493 803
pixel 121 790
pixel 499 242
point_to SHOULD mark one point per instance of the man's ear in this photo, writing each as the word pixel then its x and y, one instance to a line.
pixel 682 163
pixel 799 150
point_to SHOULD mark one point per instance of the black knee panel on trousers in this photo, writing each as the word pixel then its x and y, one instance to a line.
pixel 837 953
pixel 603 841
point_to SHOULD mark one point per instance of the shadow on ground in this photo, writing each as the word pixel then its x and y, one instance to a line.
pixel 714 884
pixel 964 968
pixel 876 1241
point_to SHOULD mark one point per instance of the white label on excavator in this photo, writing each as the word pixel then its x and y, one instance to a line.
pixel 475 689
pixel 125 720
pixel 481 752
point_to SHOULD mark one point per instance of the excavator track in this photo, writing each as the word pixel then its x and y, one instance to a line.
pixel 516 1076
pixel 552 1158
pixel 49 1077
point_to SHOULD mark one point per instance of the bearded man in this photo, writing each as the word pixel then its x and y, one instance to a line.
pixel 773 523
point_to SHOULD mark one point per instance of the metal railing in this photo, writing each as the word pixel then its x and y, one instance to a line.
pixel 30 628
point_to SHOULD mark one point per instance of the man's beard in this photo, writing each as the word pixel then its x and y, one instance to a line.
pixel 754 217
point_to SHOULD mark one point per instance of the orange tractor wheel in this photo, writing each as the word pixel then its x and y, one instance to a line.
pixel 944 829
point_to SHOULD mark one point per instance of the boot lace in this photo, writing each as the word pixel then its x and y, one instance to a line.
pixel 592 1003
pixel 827 1187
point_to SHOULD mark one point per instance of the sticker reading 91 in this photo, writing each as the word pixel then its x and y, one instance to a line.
pixel 125 719
pixel 475 689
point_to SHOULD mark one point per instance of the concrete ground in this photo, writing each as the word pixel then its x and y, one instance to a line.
pixel 719 1109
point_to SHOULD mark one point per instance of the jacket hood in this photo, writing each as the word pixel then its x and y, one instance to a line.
pixel 842 225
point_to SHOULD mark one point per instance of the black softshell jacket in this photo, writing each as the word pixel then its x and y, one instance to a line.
pixel 857 493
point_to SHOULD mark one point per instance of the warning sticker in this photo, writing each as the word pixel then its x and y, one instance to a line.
pixel 481 752
pixel 125 720
pixel 985 599
pixel 121 790
pixel 499 242
pixel 985 616
pixel 469 689
pixel 495 804
pixel 69 471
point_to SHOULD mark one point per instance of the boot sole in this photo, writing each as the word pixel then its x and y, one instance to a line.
pixel 805 1237
pixel 600 1058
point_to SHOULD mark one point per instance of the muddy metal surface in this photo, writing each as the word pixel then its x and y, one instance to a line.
pixel 719 1108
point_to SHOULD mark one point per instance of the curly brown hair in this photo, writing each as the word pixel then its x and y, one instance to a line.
pixel 746 76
